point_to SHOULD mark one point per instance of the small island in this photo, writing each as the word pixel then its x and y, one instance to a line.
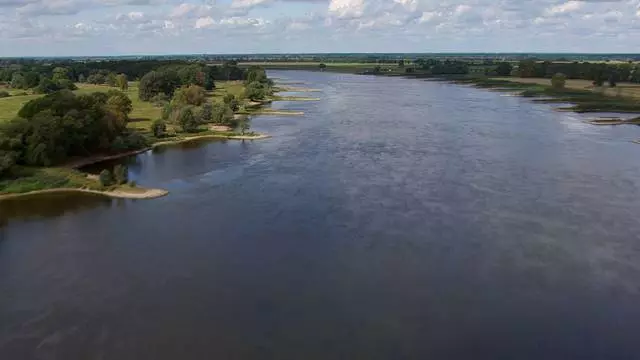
pixel 86 113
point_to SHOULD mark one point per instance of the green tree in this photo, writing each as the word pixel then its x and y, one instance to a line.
pixel 256 74
pixel 191 95
pixel 106 178
pixel 96 79
pixel 206 113
pixel 82 78
pixel 243 124
pixel 122 82
pixel 232 102
pixel 47 86
pixel 255 91
pixel 504 69
pixel 187 120
pixel 121 174
pixel 8 153
pixel 322 66
pixel 222 114
pixel 158 82
pixel 60 73
pixel 558 81
pixel 18 81
pixel 111 79
pixel 159 128
pixel 119 107
pixel 401 64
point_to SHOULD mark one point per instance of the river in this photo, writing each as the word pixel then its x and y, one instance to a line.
pixel 397 219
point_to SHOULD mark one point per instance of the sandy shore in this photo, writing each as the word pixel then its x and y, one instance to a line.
pixel 613 122
pixel 279 112
pixel 296 89
pixel 130 193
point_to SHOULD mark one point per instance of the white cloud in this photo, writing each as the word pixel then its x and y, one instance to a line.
pixel 204 22
pixel 347 8
pixel 569 6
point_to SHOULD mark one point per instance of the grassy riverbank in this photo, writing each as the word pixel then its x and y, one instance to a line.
pixel 65 177
pixel 29 181
pixel 582 100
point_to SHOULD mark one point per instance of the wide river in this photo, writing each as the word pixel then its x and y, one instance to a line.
pixel 396 219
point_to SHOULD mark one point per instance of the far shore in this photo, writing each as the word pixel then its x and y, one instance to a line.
pixel 119 193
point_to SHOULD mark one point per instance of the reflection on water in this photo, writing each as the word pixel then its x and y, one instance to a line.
pixel 49 205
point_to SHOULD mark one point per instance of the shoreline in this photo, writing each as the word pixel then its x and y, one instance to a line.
pixel 143 193
pixel 101 158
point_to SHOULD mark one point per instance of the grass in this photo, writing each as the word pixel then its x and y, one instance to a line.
pixel 26 179
pixel 10 106
pixel 622 89
pixel 583 99
pixel 143 112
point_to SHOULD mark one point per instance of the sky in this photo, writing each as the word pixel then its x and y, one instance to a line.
pixel 129 27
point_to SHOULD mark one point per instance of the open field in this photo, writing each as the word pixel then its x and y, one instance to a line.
pixel 143 112
pixel 622 89
pixel 583 100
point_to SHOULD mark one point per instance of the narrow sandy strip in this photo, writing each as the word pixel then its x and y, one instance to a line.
pixel 136 193
pixel 276 112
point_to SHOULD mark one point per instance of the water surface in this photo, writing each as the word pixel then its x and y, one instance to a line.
pixel 397 219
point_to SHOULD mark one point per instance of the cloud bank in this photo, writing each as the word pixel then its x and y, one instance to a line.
pixel 113 27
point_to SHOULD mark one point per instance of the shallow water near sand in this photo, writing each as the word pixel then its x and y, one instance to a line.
pixel 396 219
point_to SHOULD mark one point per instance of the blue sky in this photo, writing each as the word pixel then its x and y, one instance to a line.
pixel 120 27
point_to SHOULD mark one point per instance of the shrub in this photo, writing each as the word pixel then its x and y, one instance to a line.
pixel 232 102
pixel 558 81
pixel 136 141
pixel 106 179
pixel 206 113
pixel 160 100
pixel 4 94
pixel 119 144
pixel 159 128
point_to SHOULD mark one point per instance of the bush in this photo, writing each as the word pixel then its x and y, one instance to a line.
pixel 232 102
pixel 121 174
pixel 106 179
pixel 135 141
pixel 558 81
pixel 206 113
pixel 159 128
pixel 133 184
pixel 160 100
pixel 4 94
pixel 119 144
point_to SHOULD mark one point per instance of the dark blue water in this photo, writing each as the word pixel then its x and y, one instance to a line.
pixel 397 219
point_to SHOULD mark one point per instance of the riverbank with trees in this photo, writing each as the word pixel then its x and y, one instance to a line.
pixel 49 135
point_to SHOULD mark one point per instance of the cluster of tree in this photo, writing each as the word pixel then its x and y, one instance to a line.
pixel 189 108
pixel 442 67
pixel 596 72
pixel 257 85
pixel 28 74
pixel 51 129
pixel 43 83
pixel 164 81
pixel 119 176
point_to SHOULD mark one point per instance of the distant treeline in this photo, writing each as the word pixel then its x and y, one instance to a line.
pixel 26 74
